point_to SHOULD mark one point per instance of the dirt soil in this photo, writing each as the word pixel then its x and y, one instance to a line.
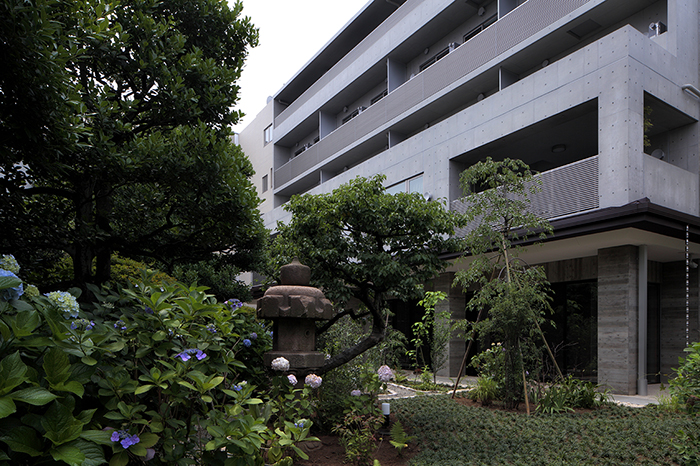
pixel 329 452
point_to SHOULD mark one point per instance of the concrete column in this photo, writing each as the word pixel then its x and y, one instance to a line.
pixel 620 134
pixel 617 318
pixel 454 303
pixel 642 328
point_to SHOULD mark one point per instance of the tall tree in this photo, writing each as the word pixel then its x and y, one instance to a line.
pixel 512 294
pixel 363 243
pixel 133 152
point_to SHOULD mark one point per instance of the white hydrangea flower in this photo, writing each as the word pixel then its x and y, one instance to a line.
pixel 313 380
pixel 280 364
pixel 292 379
pixel 66 302
pixel 8 262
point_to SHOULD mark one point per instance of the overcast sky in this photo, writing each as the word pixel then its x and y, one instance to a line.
pixel 291 32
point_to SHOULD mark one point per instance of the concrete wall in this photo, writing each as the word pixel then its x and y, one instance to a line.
pixel 617 319
pixel 455 304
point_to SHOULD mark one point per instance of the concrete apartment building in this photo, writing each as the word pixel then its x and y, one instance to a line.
pixel 421 89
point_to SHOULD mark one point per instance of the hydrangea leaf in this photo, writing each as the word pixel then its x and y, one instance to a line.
pixel 23 439
pixel 68 454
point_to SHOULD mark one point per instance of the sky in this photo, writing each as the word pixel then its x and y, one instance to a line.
pixel 291 32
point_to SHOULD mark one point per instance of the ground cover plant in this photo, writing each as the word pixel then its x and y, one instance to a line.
pixel 449 433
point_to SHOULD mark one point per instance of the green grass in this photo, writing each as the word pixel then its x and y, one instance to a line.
pixel 451 434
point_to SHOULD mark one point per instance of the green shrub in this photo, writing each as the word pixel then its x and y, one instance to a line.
pixel 154 372
pixel 485 392
pixel 570 393
pixel 685 386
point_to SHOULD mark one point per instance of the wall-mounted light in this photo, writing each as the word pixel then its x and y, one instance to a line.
pixel 480 97
pixel 481 11
pixel 545 63
pixel 558 148
pixel 345 109
pixel 426 51
pixel 692 90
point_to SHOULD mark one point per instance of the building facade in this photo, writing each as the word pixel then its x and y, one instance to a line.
pixel 599 96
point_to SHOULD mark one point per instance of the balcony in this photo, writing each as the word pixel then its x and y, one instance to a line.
pixel 566 190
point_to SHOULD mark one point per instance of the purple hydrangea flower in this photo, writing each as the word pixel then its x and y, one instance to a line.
pixel 115 436
pixel 385 373
pixel 148 310
pixel 120 325
pixel 253 336
pixel 211 328
pixel 356 392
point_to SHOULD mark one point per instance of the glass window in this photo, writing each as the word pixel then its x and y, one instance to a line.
pixel 264 183
pixel 412 185
pixel 267 135
pixel 415 185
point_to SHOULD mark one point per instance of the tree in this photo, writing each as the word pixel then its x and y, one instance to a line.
pixel 363 243
pixel 513 294
pixel 136 154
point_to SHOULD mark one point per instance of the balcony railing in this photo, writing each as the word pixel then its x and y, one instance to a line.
pixel 565 190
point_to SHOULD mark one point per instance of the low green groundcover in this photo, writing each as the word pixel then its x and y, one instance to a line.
pixel 449 433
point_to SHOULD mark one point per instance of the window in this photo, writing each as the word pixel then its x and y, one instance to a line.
pixel 480 28
pixel 442 53
pixel 412 185
pixel 267 135
pixel 264 183
pixel 377 98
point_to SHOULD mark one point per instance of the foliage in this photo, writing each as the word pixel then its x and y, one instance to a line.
pixel 162 373
pixel 449 433
pixel 486 390
pixel 514 295
pixel 215 273
pixel 362 416
pixel 688 448
pixel 358 435
pixel 363 243
pixel 399 438
pixel 685 386
pixel 127 108
pixel 434 330
pixel 334 395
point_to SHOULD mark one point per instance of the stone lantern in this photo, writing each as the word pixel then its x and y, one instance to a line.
pixel 294 307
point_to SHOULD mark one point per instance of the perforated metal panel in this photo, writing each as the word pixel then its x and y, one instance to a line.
pixel 530 17
pixel 565 190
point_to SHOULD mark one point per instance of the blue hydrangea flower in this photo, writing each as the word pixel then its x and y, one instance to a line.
pixel 233 304
pixel 120 325
pixel 148 310
pixel 124 438
pixel 211 328
pixel 82 324
pixel 185 355
pixel 253 336
pixel 247 343
pixel 15 292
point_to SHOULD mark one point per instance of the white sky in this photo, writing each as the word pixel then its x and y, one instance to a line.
pixel 291 32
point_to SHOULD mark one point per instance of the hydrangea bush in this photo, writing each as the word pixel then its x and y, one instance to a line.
pixel 150 373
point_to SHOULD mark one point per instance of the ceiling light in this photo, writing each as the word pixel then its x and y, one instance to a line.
pixel 557 148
